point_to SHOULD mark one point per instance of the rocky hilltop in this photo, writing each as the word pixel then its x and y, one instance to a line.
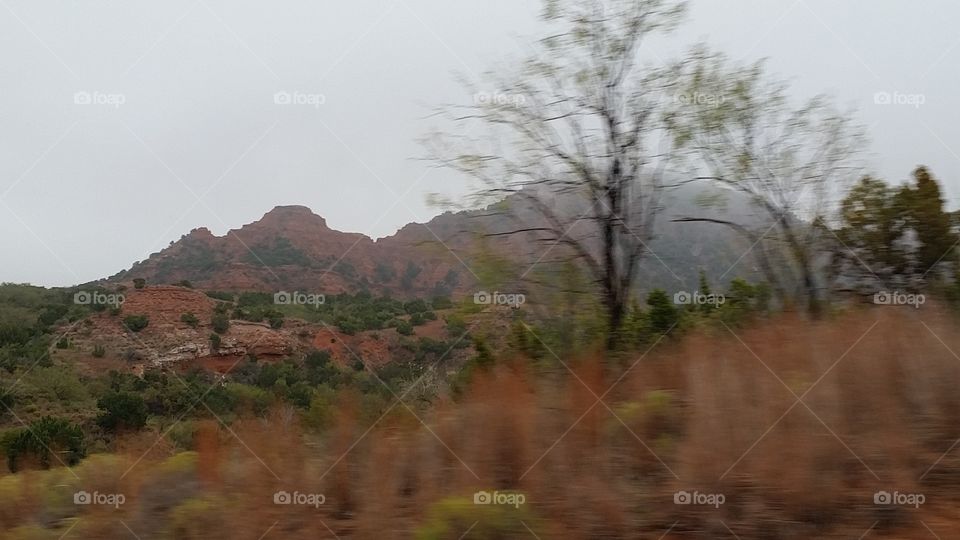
pixel 291 248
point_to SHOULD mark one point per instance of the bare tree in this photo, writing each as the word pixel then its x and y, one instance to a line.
pixel 793 163
pixel 573 134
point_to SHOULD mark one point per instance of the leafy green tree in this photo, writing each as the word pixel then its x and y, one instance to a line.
pixel 925 215
pixel 319 367
pixel 871 227
pixel 410 273
pixel 662 314
pixel 384 273
pixel 893 238
pixel 122 411
pixel 415 306
pixel 704 289
pixel 136 323
pixel 47 440
pixel 787 160
pixel 456 325
pixel 190 319
pixel 220 323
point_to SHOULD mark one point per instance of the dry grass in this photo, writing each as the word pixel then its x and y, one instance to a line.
pixel 718 412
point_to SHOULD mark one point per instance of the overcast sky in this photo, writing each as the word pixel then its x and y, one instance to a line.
pixel 124 124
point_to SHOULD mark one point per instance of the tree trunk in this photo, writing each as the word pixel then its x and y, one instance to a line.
pixel 616 309
pixel 809 280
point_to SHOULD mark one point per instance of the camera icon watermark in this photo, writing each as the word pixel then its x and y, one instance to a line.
pixel 499 99
pixel 297 498
pixel 115 500
pixel 297 298
pixel 897 98
pixel 99 98
pixel 897 298
pixel 699 499
pixel 699 99
pixel 684 298
pixel 900 499
pixel 495 298
pixel 299 98
pixel 96 298
pixel 506 498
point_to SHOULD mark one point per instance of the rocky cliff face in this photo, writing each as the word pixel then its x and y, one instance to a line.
pixel 167 340
pixel 293 249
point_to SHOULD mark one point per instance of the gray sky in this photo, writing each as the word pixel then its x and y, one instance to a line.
pixel 182 106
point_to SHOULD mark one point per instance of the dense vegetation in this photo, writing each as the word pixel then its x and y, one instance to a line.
pixel 594 407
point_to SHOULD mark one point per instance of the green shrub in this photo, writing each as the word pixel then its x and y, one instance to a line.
pixel 663 314
pixel 197 519
pixel 215 342
pixel 54 384
pixel 136 323
pixel 404 328
pixel 448 518
pixel 246 398
pixel 456 326
pixel 220 295
pixel 220 323
pixel 321 413
pixel 122 411
pixel 49 440
pixel 190 319
pixel 99 351
pixel 275 318
pixel 441 302
pixel 415 306
pixel 139 283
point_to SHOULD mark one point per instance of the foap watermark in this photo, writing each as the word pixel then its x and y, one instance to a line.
pixel 700 499
pixel 699 98
pixel 507 498
pixel 299 98
pixel 495 298
pixel 696 298
pixel 498 98
pixel 897 298
pixel 99 98
pixel 297 498
pixel 297 298
pixel 96 298
pixel 898 98
pixel 899 499
pixel 115 500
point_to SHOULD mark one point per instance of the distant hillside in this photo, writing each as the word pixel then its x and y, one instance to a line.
pixel 291 248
